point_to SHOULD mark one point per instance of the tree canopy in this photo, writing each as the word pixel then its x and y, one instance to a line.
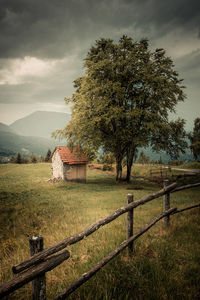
pixel 123 102
pixel 143 159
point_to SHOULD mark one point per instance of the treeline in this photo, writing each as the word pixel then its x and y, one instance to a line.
pixel 108 160
pixel 145 159
pixel 33 158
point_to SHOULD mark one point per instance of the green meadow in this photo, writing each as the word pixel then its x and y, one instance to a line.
pixel 165 264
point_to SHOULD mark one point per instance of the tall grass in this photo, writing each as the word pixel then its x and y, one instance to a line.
pixel 191 165
pixel 166 263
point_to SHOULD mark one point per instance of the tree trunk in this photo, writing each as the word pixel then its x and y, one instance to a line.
pixel 129 166
pixel 119 168
pixel 129 161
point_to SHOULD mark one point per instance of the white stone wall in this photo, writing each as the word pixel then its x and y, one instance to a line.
pixel 57 166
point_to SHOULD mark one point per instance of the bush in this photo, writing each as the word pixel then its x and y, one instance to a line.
pixel 143 159
pixel 33 158
pixel 107 159
pixel 175 162
pixel 107 167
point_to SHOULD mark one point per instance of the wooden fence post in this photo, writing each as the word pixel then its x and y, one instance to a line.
pixel 39 284
pixel 129 229
pixel 166 203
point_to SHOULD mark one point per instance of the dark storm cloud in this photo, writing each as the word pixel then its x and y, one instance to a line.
pixel 58 33
pixel 50 88
pixel 52 28
pixel 38 28
pixel 177 12
pixel 188 66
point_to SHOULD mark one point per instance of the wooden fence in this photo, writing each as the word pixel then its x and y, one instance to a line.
pixel 161 172
pixel 42 260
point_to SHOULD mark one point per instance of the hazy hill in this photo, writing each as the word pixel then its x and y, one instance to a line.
pixel 164 157
pixel 6 128
pixel 40 123
pixel 11 143
pixel 32 133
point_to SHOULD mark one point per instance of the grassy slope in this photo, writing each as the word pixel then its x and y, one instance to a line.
pixel 166 262
pixel 191 165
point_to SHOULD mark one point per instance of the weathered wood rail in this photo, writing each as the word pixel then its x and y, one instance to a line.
pixel 34 268
pixel 32 273
pixel 110 256
pixel 161 171
pixel 92 228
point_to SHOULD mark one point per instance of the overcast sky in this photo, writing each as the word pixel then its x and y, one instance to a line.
pixel 43 44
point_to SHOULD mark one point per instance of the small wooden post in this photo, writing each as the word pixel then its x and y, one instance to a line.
pixel 129 229
pixel 38 284
pixel 166 204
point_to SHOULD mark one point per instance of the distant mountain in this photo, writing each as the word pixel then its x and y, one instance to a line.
pixel 40 123
pixel 32 134
pixel 6 128
pixel 164 157
pixel 11 143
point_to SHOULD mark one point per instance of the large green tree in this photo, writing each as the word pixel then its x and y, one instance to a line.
pixel 195 139
pixel 123 102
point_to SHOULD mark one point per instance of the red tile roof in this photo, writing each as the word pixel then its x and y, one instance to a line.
pixel 72 158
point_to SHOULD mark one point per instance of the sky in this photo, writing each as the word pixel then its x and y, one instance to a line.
pixel 43 44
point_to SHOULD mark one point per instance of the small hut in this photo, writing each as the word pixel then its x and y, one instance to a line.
pixel 69 165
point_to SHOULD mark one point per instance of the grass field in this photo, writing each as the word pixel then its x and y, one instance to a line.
pixel 166 263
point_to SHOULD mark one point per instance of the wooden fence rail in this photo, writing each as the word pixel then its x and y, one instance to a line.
pixel 32 273
pixel 38 264
pixel 94 227
pixel 161 171
pixel 111 255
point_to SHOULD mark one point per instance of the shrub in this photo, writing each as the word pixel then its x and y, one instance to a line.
pixel 107 167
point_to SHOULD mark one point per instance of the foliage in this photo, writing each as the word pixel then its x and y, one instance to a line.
pixel 25 160
pixel 33 158
pixel 42 158
pixel 175 162
pixel 160 161
pixel 191 165
pixel 107 160
pixel 48 156
pixel 107 167
pixel 195 139
pixel 123 101
pixel 19 158
pixel 143 159
pixel 12 159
